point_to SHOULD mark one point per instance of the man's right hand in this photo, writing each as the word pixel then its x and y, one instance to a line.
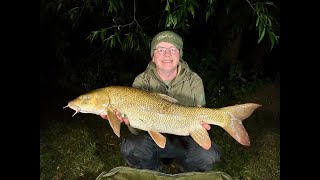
pixel 121 119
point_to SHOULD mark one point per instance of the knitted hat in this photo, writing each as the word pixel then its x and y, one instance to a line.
pixel 167 36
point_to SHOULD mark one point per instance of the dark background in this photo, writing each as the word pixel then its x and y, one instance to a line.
pixel 230 61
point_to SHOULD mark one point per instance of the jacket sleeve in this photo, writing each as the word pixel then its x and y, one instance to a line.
pixel 141 82
pixel 197 89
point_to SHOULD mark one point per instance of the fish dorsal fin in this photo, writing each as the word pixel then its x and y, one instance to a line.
pixel 201 136
pixel 168 98
pixel 158 138
pixel 114 121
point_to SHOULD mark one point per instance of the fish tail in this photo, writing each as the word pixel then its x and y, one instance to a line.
pixel 233 121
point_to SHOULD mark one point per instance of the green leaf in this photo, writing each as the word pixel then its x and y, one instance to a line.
pixel 207 15
pixel 112 42
pixel 175 21
pixel 167 7
pixel 269 21
pixel 92 36
pixel 272 38
pixel 118 38
pixel 262 31
pixel 102 33
pixel 169 20
pixel 257 22
pixel 191 9
pixel 59 7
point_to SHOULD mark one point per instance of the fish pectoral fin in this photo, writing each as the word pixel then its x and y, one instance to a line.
pixel 201 136
pixel 158 138
pixel 114 121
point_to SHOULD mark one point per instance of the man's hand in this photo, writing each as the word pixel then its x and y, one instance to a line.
pixel 205 125
pixel 121 119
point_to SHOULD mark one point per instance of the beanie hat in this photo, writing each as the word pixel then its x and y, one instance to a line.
pixel 167 36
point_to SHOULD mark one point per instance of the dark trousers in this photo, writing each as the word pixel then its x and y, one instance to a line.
pixel 140 151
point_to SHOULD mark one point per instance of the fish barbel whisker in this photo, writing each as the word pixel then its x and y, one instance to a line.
pixel 77 110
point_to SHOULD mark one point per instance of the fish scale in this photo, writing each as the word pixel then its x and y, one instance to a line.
pixel 159 113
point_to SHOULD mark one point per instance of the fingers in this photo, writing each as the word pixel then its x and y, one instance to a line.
pixel 206 125
pixel 104 116
pixel 125 120
pixel 118 114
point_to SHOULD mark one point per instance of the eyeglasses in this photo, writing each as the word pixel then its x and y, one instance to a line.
pixel 162 50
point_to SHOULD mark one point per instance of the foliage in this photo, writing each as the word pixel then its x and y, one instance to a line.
pixel 265 21
pixel 223 81
pixel 119 33
pixel 178 12
pixel 97 70
pixel 175 14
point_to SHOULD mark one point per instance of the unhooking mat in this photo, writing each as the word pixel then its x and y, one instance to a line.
pixel 125 173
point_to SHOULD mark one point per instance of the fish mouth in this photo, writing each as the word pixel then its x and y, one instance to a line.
pixel 74 107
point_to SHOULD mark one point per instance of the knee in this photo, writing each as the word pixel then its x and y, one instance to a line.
pixel 138 152
pixel 127 145
pixel 214 153
pixel 137 146
pixel 210 157
pixel 201 160
pixel 207 159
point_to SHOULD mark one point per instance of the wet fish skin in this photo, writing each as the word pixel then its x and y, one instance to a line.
pixel 158 113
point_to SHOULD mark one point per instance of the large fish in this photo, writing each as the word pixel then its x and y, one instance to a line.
pixel 158 113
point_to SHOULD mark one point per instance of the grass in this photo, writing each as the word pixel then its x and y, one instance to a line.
pixel 83 146
pixel 261 160
pixel 75 150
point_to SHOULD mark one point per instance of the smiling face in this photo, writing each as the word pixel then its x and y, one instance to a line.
pixel 166 60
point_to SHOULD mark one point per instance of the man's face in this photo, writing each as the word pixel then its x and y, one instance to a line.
pixel 166 56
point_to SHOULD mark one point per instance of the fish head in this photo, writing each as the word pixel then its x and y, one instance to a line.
pixel 89 103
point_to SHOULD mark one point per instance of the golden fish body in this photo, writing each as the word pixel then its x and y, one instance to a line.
pixel 158 113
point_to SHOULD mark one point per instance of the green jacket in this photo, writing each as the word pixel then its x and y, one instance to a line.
pixel 186 87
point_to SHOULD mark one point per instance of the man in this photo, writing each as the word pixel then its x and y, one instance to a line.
pixel 169 74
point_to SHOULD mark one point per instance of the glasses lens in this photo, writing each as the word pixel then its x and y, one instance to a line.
pixel 163 50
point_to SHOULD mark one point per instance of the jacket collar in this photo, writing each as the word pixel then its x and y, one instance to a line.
pixel 183 70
